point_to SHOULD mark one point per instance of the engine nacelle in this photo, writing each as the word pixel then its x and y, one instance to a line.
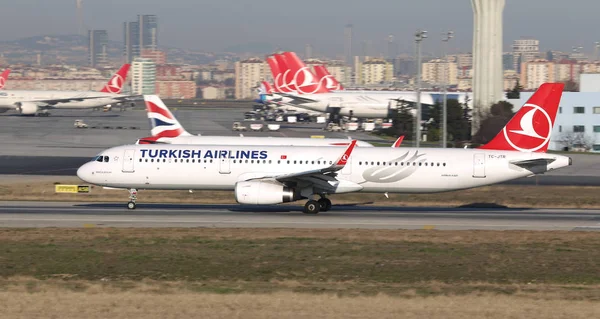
pixel 263 193
pixel 28 108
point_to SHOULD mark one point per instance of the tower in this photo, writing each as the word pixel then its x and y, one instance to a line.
pixel 79 6
pixel 487 57
pixel 348 44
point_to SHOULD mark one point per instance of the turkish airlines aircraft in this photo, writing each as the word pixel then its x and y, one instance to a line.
pixel 301 88
pixel 34 102
pixel 166 129
pixel 4 78
pixel 323 74
pixel 278 174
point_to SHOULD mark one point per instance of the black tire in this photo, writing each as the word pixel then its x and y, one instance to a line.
pixel 325 204
pixel 312 207
pixel 131 205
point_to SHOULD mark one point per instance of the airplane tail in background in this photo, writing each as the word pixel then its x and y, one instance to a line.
pixel 115 84
pixel 266 88
pixel 324 76
pixel 302 79
pixel 530 128
pixel 4 78
pixel 284 78
pixel 163 123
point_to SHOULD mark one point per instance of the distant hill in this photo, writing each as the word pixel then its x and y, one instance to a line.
pixel 251 47
pixel 53 42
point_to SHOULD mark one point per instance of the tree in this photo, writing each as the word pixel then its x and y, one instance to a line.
pixel 571 86
pixel 458 121
pixel 492 123
pixel 579 140
pixel 403 123
pixel 515 93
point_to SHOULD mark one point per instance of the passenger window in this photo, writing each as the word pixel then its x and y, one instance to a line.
pixel 105 159
pixel 146 160
pixel 211 161
pixel 444 164
pixel 396 164
pixel 414 163
pixel 175 160
pixel 140 160
pixel 420 163
pixel 312 162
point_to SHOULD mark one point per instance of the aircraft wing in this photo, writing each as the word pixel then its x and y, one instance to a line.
pixel 323 178
pixel 297 99
pixel 53 102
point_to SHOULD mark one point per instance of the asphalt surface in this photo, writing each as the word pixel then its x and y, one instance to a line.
pixel 52 214
pixel 56 135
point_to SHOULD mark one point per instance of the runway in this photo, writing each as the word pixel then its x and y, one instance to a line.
pixel 53 214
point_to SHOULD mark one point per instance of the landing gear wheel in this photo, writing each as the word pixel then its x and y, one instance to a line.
pixel 311 207
pixel 132 198
pixel 325 204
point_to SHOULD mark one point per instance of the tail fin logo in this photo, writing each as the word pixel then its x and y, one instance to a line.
pixel 304 79
pixel 532 131
pixel 115 84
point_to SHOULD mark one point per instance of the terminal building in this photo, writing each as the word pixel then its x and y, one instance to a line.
pixel 577 125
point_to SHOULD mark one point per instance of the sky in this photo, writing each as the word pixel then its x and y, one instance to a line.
pixel 290 25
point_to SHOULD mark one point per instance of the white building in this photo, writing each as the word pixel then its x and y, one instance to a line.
pixel 536 72
pixel 248 75
pixel 143 79
pixel 374 71
pixel 487 57
pixel 439 72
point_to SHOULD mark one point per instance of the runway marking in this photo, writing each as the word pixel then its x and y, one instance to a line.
pixel 156 221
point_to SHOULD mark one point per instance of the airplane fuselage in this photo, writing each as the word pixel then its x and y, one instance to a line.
pixel 362 104
pixel 91 99
pixel 221 167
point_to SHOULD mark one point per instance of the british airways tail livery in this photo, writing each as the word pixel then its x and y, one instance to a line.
pixel 165 129
pixel 162 122
pixel 277 174
pixel 4 78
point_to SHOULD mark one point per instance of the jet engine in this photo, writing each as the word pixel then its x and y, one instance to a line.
pixel 263 193
pixel 27 108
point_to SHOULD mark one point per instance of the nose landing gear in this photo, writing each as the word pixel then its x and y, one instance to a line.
pixel 132 198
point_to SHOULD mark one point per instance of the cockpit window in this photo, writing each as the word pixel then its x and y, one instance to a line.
pixel 101 159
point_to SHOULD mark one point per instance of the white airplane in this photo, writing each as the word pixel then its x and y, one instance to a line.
pixel 166 129
pixel 278 174
pixel 34 102
pixel 296 85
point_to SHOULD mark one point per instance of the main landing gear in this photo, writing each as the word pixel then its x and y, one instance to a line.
pixel 314 207
pixel 132 198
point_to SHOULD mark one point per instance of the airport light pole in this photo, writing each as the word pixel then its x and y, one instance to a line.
pixel 446 37
pixel 419 36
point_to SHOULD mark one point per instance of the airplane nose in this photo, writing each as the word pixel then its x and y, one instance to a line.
pixel 85 172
